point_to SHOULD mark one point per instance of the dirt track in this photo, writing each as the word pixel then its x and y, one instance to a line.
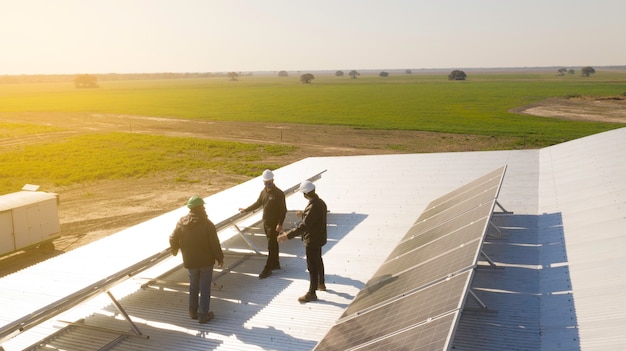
pixel 611 110
pixel 88 213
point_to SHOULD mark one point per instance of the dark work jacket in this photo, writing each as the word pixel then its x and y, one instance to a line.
pixel 274 206
pixel 313 225
pixel 196 237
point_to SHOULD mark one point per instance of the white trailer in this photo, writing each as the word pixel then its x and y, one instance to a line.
pixel 28 219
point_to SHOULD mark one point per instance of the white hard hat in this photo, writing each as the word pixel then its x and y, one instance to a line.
pixel 268 175
pixel 307 187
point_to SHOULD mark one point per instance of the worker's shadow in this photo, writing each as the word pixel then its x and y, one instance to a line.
pixel 338 226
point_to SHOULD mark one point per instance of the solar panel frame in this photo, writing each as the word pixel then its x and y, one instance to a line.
pixel 410 310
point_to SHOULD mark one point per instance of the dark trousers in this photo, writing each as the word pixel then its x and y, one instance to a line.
pixel 272 247
pixel 200 280
pixel 315 265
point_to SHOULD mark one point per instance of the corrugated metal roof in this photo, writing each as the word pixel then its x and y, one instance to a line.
pixel 589 186
pixel 558 284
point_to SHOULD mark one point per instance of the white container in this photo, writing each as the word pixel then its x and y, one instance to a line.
pixel 28 219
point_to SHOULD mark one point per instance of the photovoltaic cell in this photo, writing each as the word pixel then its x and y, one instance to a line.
pixel 415 308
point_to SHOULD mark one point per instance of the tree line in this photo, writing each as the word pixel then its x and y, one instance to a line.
pixel 91 80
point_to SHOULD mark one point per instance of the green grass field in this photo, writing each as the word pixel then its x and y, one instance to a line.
pixel 92 157
pixel 425 102
pixel 409 102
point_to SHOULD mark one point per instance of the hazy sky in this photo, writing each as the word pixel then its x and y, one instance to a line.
pixel 141 36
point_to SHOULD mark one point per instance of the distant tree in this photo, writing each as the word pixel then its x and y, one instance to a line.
pixel 457 75
pixel 571 71
pixel 283 74
pixel 408 71
pixel 384 74
pixel 587 71
pixel 232 75
pixel 353 74
pixel 86 81
pixel 562 71
pixel 307 78
pixel 339 74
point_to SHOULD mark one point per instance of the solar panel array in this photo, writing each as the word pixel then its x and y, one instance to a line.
pixel 413 301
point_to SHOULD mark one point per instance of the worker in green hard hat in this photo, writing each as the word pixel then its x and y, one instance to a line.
pixel 196 237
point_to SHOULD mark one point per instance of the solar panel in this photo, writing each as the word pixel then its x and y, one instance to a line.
pixel 415 308
pixel 413 301
pixel 386 287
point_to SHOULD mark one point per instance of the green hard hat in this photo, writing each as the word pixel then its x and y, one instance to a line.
pixel 195 201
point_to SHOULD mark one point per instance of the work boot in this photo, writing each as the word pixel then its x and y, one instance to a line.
pixel 266 273
pixel 193 314
pixel 205 317
pixel 308 297
pixel 321 287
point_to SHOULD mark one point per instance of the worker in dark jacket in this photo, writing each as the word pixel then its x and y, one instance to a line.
pixel 313 232
pixel 274 211
pixel 196 237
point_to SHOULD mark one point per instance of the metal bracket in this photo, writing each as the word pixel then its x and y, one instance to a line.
pixel 81 324
pixel 503 210
pixel 483 307
pixel 243 236
pixel 123 312
pixel 122 334
pixel 491 263
pixel 499 235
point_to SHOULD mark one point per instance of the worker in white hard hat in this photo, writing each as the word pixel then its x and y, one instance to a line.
pixel 274 211
pixel 314 236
